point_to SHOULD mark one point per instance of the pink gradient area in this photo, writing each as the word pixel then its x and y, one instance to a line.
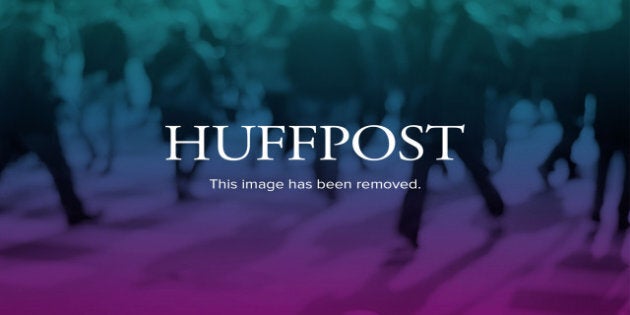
pixel 288 253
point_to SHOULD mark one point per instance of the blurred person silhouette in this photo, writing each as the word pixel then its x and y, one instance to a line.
pixel 61 39
pixel 225 78
pixel 280 22
pixel 105 53
pixel 325 73
pixel 181 87
pixel 278 103
pixel 606 75
pixel 382 68
pixel 51 24
pixel 28 103
pixel 277 94
pixel 467 64
pixel 417 29
pixel 555 76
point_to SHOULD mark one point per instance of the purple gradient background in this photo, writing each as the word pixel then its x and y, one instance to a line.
pixel 288 252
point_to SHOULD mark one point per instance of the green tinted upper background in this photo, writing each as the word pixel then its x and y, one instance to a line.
pixel 245 20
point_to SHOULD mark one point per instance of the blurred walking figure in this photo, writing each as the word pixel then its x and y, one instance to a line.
pixel 181 87
pixel 105 53
pixel 607 75
pixel 325 71
pixel 467 64
pixel 28 105
pixel 417 28
pixel 555 76
pixel 382 68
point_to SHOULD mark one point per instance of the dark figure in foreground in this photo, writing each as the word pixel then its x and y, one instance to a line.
pixel 416 29
pixel 382 68
pixel 28 105
pixel 278 104
pixel 551 68
pixel 607 76
pixel 468 62
pixel 325 73
pixel 181 87
pixel 105 52
pixel 556 78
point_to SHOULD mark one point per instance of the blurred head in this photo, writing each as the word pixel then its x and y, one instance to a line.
pixel 522 14
pixel 326 6
pixel 459 9
pixel 444 6
pixel 569 11
pixel 366 7
pixel 178 32
pixel 35 7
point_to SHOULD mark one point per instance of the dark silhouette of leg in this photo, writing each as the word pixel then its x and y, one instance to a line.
pixel 497 113
pixel 373 113
pixel 48 149
pixel 603 164
pixel 501 143
pixel 472 158
pixel 183 179
pixel 5 154
pixel 573 135
pixel 624 206
pixel 413 204
pixel 278 104
pixel 111 135
pixel 570 133
pixel 326 170
pixel 288 145
pixel 84 135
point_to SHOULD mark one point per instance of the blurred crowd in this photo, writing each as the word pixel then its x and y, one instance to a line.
pixel 315 62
